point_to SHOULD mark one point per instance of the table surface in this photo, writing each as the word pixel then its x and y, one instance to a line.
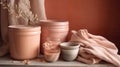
pixel 6 61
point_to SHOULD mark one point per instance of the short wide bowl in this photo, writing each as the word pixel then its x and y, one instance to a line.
pixel 69 50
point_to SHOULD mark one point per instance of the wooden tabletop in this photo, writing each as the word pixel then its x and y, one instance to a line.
pixel 6 61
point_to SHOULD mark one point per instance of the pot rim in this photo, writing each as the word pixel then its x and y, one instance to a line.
pixel 24 27
pixel 69 45
pixel 54 22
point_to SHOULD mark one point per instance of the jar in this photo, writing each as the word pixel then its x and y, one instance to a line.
pixel 24 41
pixel 53 29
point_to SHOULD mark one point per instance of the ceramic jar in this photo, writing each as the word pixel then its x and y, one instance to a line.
pixel 24 41
pixel 53 29
pixel 69 50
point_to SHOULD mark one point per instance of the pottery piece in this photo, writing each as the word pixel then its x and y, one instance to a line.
pixel 69 50
pixel 53 29
pixel 51 51
pixel 52 55
pixel 24 41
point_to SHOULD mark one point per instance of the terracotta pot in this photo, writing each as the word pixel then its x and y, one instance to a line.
pixel 54 29
pixel 24 41
pixel 51 51
pixel 51 55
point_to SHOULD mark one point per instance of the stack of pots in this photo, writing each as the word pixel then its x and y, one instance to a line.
pixel 24 41
pixel 53 30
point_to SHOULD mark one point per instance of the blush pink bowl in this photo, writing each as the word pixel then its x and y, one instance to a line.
pixel 52 55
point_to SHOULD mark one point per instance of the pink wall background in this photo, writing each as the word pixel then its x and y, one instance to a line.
pixel 98 16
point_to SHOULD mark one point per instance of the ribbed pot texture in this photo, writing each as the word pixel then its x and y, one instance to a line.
pixel 53 30
pixel 24 41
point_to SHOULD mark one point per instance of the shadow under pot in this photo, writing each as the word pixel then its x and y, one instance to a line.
pixel 24 41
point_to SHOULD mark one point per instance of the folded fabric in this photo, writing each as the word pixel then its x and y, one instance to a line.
pixel 95 48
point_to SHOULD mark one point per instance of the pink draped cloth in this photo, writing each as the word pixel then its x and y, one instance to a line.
pixel 95 48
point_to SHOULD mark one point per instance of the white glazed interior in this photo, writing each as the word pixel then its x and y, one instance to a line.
pixel 69 45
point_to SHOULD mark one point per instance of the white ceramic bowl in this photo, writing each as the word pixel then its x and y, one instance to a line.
pixel 69 50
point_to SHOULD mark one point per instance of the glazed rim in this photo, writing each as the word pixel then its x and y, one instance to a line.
pixel 54 22
pixel 69 45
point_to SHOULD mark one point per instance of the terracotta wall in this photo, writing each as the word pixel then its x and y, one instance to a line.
pixel 98 16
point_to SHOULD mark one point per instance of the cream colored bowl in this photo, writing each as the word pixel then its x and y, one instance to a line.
pixel 69 50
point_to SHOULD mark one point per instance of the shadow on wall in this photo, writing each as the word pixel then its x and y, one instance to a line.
pixel 98 16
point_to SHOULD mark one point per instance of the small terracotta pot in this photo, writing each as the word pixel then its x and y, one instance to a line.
pixel 52 55
pixel 24 41
pixel 54 29
pixel 51 51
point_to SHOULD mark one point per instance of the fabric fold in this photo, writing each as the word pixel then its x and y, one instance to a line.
pixel 95 48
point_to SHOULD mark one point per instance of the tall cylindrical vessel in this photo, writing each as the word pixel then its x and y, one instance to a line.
pixel 53 30
pixel 24 41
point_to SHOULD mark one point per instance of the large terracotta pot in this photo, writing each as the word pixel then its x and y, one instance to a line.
pixel 53 30
pixel 24 41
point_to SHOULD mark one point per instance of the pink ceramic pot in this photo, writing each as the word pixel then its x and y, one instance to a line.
pixel 52 55
pixel 53 29
pixel 24 41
